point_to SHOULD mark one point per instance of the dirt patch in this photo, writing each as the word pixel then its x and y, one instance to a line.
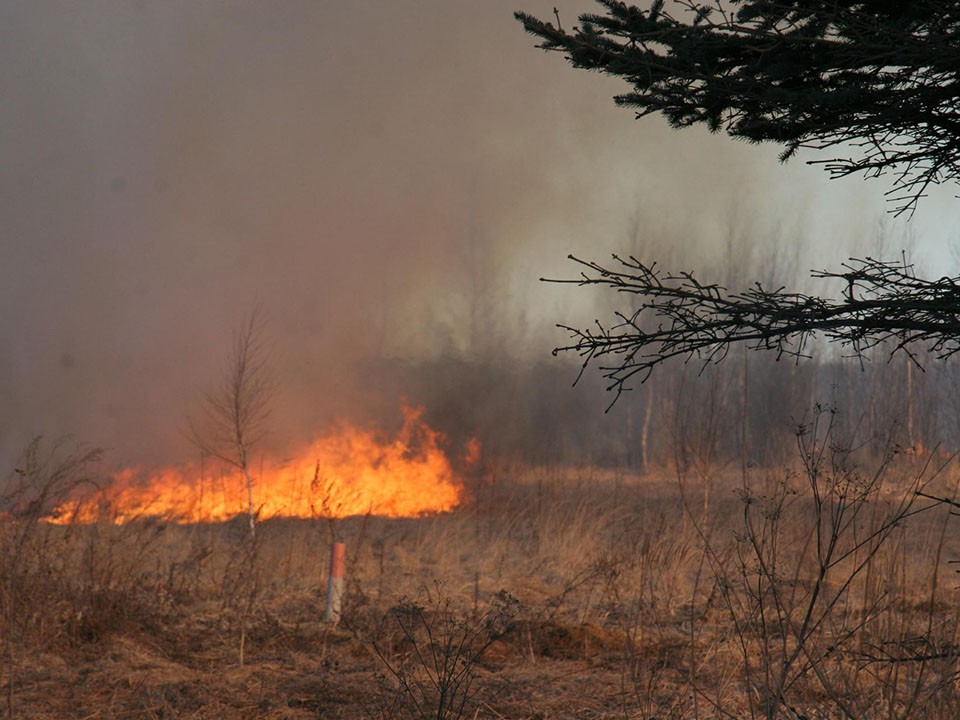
pixel 532 639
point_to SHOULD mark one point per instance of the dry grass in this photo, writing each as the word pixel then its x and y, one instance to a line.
pixel 635 598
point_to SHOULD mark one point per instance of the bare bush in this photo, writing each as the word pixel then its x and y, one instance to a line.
pixel 434 661
pixel 800 584
pixel 31 585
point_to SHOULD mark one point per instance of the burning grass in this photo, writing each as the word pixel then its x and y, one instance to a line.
pixel 560 593
pixel 348 471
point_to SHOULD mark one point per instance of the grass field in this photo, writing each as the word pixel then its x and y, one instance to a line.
pixel 814 591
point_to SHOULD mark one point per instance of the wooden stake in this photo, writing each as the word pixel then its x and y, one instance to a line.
pixel 338 570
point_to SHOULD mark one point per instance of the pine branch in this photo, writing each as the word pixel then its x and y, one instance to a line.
pixel 878 81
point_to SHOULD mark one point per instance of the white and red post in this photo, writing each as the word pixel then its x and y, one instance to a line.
pixel 335 588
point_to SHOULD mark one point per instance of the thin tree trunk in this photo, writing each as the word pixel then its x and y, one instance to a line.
pixel 250 511
pixel 645 429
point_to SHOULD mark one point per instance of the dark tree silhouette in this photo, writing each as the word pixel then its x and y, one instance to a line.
pixel 878 80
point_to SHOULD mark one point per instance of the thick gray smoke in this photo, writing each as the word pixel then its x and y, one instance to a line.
pixel 382 179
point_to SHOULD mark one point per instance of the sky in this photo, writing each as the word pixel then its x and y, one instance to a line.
pixel 376 179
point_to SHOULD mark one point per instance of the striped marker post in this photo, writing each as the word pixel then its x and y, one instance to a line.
pixel 338 570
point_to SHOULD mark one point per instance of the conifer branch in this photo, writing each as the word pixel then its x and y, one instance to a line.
pixel 878 82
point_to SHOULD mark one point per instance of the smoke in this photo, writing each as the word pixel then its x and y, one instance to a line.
pixel 382 179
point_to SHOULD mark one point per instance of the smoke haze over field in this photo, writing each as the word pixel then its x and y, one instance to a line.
pixel 382 179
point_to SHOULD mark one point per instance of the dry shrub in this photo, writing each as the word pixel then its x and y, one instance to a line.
pixel 36 600
pixel 809 581
pixel 431 651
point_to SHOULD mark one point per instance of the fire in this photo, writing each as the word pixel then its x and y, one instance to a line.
pixel 347 472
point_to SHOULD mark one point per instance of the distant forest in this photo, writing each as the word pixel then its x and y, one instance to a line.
pixel 744 410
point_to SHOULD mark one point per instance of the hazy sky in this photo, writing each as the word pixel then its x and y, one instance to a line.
pixel 381 178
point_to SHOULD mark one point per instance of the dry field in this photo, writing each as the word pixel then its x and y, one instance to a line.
pixel 816 591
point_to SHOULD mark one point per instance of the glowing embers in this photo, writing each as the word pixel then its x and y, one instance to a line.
pixel 347 472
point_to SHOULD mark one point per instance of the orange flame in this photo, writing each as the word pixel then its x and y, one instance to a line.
pixel 349 472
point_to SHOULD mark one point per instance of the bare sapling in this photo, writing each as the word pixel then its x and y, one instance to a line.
pixel 242 590
pixel 234 415
pixel 232 422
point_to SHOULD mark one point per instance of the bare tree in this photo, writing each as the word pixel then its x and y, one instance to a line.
pixel 234 414
pixel 677 315
pixel 232 422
